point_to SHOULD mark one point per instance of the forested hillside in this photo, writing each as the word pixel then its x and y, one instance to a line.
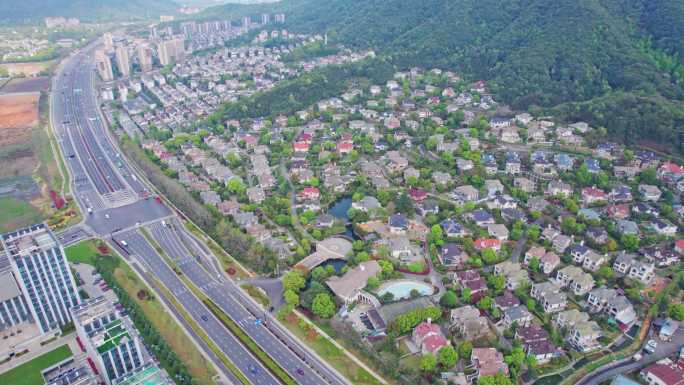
pixel 27 11
pixel 614 62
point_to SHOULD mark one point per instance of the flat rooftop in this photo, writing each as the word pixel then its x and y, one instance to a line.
pixel 113 334
pixel 27 240
pixel 150 375
pixel 91 309
pixel 74 374
pixel 8 286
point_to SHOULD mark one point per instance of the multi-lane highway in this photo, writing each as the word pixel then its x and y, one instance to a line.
pixel 255 322
pixel 117 206
pixel 139 246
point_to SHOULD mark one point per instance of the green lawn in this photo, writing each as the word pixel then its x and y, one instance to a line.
pixel 15 213
pixel 82 252
pixel 29 373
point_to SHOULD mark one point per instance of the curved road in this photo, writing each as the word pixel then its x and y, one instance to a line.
pixel 628 365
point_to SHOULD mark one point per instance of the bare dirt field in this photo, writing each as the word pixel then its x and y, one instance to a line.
pixel 26 85
pixel 27 69
pixel 18 121
pixel 17 111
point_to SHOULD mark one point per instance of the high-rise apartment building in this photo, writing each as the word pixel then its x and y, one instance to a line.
pixel 144 57
pixel 110 339
pixel 171 51
pixel 265 18
pixel 108 41
pixel 123 61
pixel 13 307
pixel 104 65
pixel 42 275
pixel 280 18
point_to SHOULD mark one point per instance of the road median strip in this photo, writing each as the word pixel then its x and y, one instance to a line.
pixel 181 310
pixel 226 321
pixel 265 359
pixel 200 332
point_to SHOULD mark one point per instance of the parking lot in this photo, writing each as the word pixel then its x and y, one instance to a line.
pixel 91 282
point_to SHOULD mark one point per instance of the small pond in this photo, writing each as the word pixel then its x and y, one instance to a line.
pixel 339 210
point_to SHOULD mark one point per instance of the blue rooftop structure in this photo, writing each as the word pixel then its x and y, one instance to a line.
pixel 512 157
pixel 398 221
pixel 488 158
pixel 668 329
pixel 593 165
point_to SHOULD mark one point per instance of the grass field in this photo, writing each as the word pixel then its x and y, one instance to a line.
pixel 82 252
pixel 29 373
pixel 15 213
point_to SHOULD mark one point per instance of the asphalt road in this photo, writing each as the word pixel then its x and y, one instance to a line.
pixel 115 204
pixel 73 235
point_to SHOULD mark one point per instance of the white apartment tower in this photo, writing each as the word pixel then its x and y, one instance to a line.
pixel 41 273
pixel 104 66
pixel 144 57
pixel 108 41
pixel 123 61
pixel 171 51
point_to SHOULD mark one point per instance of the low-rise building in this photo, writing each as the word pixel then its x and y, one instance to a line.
pixel 487 362
pixel 518 315
pixel 468 322
pixel 584 336
pixel 515 275
pixel 664 372
pixel 428 336
pixel 348 288
pixel 549 296
pixel 575 279
pixel 569 318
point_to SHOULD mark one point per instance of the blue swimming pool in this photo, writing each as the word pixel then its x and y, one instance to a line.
pixel 402 289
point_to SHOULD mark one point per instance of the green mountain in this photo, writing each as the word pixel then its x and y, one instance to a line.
pixel 616 63
pixel 31 11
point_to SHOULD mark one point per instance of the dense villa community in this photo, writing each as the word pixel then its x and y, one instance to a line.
pixel 477 239
pixel 415 230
